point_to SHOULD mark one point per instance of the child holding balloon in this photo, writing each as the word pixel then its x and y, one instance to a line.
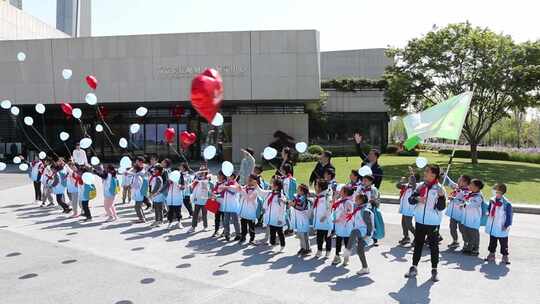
pixel 110 182
pixel 217 194
pixel 57 182
pixel 230 207
pixel 175 198
pixel 248 209
pixel 373 196
pixel 73 179
pixel 139 188
pixel 86 189
pixel 274 206
pixel 200 190
pixel 321 211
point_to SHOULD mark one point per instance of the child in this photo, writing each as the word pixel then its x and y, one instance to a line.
pixel 139 189
pixel 127 180
pixel 230 207
pixel 248 209
pixel 257 171
pixel 330 177
pixel 498 223
pixel 362 231
pixel 72 187
pixel 58 185
pixel 342 227
pixel 373 196
pixel 84 192
pixel 289 189
pixel 274 211
pixel 218 196
pixel 46 194
pixel 299 218
pixel 429 199
pixel 406 188
pixel 175 198
pixel 188 179
pixel 157 197
pixel 321 211
pixel 472 215
pixel 355 181
pixel 200 190
pixel 36 170
pixel 454 210
pixel 110 182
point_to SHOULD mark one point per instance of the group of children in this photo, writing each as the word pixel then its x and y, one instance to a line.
pixel 348 213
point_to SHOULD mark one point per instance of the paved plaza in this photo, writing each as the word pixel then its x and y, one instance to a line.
pixel 47 257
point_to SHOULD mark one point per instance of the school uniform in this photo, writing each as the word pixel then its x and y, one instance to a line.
pixel 199 196
pixel 73 190
pixel 427 216
pixel 454 210
pixel 472 215
pixel 405 209
pixel 363 226
pixel 274 205
pixel 218 194
pixel 248 212
pixel 157 185
pixel 289 189
pixel 342 226
pixel 139 191
pixel 35 175
pixel 321 211
pixel 127 180
pixel 231 204
pixel 300 220
pixel 46 194
pixel 188 179
pixel 174 200
pixel 84 192
pixel 57 183
pixel 372 194
pixel 498 224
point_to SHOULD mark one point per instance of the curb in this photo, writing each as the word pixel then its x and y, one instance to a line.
pixel 517 208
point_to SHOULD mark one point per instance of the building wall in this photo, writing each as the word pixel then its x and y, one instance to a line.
pixel 256 131
pixel 15 24
pixel 366 63
pixel 267 66
pixel 359 101
pixel 66 17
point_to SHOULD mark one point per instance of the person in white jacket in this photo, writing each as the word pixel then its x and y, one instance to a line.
pixel 274 204
pixel 472 215
pixel 321 212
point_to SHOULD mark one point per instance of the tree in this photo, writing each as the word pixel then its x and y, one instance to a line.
pixel 502 74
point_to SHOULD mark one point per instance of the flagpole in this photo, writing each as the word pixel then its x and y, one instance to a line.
pixel 450 161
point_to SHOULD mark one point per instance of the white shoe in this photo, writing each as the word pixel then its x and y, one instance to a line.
pixel 345 261
pixel 179 225
pixel 363 271
pixel 318 254
pixel 192 229
pixel 337 260
pixel 282 248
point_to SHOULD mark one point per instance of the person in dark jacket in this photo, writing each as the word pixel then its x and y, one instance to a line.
pixel 323 165
pixel 370 159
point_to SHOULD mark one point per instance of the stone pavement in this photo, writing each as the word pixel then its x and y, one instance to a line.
pixel 46 257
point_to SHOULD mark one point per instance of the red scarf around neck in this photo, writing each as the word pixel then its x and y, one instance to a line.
pixel 271 197
pixel 316 202
pixel 336 204
pixel 496 204
pixel 426 187
pixel 350 216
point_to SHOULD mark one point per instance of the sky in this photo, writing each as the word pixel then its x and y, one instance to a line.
pixel 343 24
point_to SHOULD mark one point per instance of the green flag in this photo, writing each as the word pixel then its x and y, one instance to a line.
pixel 444 120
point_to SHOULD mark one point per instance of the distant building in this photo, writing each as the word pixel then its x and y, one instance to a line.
pixel 16 3
pixel 74 17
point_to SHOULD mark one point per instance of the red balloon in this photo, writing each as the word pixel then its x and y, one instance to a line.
pixel 169 135
pixel 178 111
pixel 187 139
pixel 207 93
pixel 92 82
pixel 103 112
pixel 67 108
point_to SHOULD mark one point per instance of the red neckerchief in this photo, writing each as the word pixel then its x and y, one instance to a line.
pixel 249 189
pixel 271 197
pixel 496 204
pixel 152 177
pixel 215 190
pixel 425 188
pixel 230 183
pixel 337 203
pixel 316 202
pixel 78 179
pixel 455 192
pixel 350 216
pixel 470 195
pixel 366 189
pixel 353 185
pixel 402 191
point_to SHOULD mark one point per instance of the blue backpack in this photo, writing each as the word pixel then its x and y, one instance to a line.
pixel 485 213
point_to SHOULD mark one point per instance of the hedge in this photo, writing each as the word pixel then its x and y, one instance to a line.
pixel 408 153
pixel 392 149
pixel 493 155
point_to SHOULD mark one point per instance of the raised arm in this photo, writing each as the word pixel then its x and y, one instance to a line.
pixel 358 140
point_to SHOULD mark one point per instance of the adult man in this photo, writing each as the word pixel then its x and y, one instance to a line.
pixel 322 165
pixel 79 156
pixel 371 160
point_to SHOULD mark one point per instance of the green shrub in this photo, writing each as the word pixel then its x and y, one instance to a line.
pixel 307 157
pixel 408 153
pixel 315 149
pixel 392 149
pixel 492 155
pixel 525 157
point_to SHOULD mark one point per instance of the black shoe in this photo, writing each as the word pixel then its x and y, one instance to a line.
pixel 227 238
pixel 241 240
pixel 214 234
pixel 434 275
pixel 412 272
pixel 301 251
pixel 238 238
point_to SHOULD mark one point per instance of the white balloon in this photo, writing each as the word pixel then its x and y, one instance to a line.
pixel 21 56
pixel 88 178
pixel 6 104
pixel 64 136
pixel 123 143
pixel 85 143
pixel 91 99
pixel 175 176
pixel 2 166
pixel 141 111
pixel 23 167
pixel 77 113
pixel 227 168
pixel 209 152
pixel 134 128
pixel 269 153
pixel 15 110
pixel 99 128
pixel 28 121
pixel 301 147
pixel 125 162
pixel 66 73
pixel 121 170
pixel 16 160
pixel 365 171
pixel 40 108
pixel 94 160
pixel 42 155
pixel 218 120
pixel 421 162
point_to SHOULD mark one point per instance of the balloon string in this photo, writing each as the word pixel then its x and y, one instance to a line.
pixel 110 141
pixel 26 135
pixel 67 148
pixel 100 115
pixel 43 139
pixel 86 134
pixel 179 154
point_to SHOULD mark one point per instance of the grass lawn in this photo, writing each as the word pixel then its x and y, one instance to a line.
pixel 522 179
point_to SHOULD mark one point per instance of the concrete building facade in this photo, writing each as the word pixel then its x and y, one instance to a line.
pixel 74 17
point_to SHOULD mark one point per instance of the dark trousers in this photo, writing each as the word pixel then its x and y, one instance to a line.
pixel 37 190
pixel 60 201
pixel 217 220
pixel 146 202
pixel 340 240
pixel 158 211
pixel 454 227
pixel 86 210
pixel 357 239
pixel 431 233
pixel 407 225
pixel 187 204
pixel 279 231
pixel 195 218
pixel 493 244
pixel 173 214
pixel 247 226
pixel 322 237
